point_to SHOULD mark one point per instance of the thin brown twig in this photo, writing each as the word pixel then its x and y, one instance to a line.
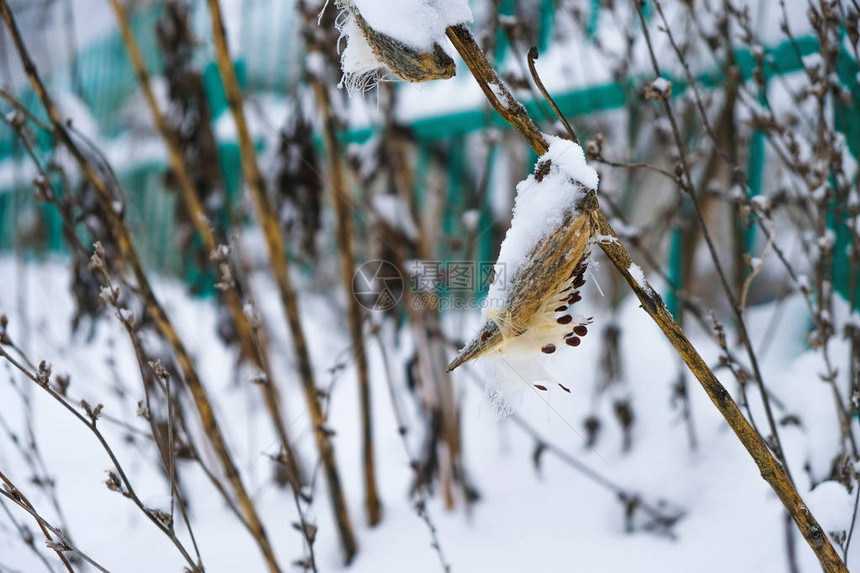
pixel 63 544
pixel 26 537
pixel 119 481
pixel 738 307
pixel 689 187
pixel 419 488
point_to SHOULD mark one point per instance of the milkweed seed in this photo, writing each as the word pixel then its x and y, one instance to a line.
pixel 563 387
pixel 539 387
pixel 565 319
pixel 573 341
pixel 580 280
pixel 561 309
pixel 580 330
pixel 548 349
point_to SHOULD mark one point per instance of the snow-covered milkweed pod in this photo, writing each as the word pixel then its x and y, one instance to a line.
pixel 545 255
pixel 412 51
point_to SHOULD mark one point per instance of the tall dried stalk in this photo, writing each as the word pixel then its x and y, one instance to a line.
pixel 281 269
pixel 771 469
pixel 122 238
pixel 344 235
pixel 437 391
pixel 252 348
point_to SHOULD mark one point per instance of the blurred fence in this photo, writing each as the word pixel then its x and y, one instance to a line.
pixel 267 51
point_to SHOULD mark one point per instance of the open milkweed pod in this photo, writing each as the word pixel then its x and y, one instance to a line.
pixel 405 62
pixel 535 316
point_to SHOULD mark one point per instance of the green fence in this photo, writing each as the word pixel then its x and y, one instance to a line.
pixel 267 53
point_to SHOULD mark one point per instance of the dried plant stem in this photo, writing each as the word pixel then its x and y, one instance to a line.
pixel 686 181
pixel 26 537
pixel 63 544
pixel 423 311
pixel 771 469
pixel 280 267
pixel 64 208
pixel 41 377
pixel 122 238
pixel 15 495
pixel 148 373
pixel 252 348
pixel 729 159
pixel 344 235
pixel 58 546
pixel 420 484
pixel 508 107
pixel 532 56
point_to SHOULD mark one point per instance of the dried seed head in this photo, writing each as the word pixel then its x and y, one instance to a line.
pixel 57 546
pixel 112 482
pixel 44 374
pixel 164 518
pixel 159 369
pixel 61 384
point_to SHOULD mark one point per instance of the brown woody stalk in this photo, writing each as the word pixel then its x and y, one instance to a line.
pixel 122 238
pixel 423 311
pixel 252 348
pixel 771 470
pixel 280 267
pixel 344 236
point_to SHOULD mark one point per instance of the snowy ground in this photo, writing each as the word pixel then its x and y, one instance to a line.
pixel 556 520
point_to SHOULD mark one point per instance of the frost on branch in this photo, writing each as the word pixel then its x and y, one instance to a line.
pixel 406 38
pixel 531 305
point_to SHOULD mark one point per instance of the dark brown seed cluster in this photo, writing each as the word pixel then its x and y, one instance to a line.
pixel 573 338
